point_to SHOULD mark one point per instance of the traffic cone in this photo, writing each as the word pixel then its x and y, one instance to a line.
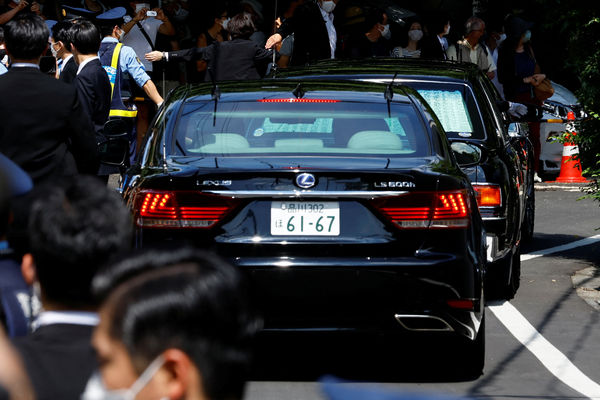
pixel 570 169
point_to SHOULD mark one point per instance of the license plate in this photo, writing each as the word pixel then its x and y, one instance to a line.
pixel 305 218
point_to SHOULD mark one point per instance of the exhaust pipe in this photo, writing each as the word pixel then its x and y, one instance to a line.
pixel 423 323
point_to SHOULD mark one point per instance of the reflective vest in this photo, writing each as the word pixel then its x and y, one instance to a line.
pixel 109 55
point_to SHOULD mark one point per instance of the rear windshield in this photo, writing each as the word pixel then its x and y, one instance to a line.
pixel 455 107
pixel 286 128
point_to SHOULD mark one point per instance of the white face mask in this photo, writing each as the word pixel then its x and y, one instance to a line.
pixel 328 6
pixel 54 52
pixel 415 34
pixel 225 23
pixel 386 33
pixel 447 31
pixel 501 39
pixel 121 35
pixel 95 389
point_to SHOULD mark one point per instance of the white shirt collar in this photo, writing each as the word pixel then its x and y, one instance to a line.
pixel 24 65
pixel 66 317
pixel 83 64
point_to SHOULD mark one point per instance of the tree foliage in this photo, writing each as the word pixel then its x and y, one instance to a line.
pixel 578 26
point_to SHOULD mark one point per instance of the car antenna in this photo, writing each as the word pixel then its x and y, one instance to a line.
pixel 389 94
pixel 299 91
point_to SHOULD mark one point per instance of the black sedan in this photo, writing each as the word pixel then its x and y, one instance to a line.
pixel 467 105
pixel 342 201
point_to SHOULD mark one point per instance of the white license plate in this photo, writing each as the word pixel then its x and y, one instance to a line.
pixel 305 218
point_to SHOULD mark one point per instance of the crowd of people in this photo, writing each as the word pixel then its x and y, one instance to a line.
pixel 74 298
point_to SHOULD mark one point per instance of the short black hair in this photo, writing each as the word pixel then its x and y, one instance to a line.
pixel 241 26
pixel 185 299
pixel 26 36
pixel 76 226
pixel 85 36
pixel 60 32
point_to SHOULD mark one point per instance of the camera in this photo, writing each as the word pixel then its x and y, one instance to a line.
pixel 151 14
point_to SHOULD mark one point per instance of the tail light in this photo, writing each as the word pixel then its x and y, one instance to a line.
pixel 436 210
pixel 488 195
pixel 180 209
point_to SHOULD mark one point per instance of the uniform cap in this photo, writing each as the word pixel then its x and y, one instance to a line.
pixel 112 17
pixel 75 12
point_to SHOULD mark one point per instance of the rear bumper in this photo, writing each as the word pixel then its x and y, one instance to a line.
pixel 366 295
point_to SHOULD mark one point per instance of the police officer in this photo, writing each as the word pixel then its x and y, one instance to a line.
pixel 123 68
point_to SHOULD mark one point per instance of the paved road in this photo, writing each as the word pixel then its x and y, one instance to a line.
pixel 556 357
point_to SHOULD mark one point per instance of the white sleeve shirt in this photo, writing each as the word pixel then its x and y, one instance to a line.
pixel 328 17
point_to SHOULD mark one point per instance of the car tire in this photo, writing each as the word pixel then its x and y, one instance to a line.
pixel 529 218
pixel 473 354
pixel 503 282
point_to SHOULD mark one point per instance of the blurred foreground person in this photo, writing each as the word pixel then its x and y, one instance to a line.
pixel 14 384
pixel 44 129
pixel 175 325
pixel 75 228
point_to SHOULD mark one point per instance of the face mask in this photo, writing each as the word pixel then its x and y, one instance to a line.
pixel 121 35
pixel 501 39
pixel 54 52
pixel 140 6
pixel 95 389
pixel 386 33
pixel 328 6
pixel 415 34
pixel 225 23
pixel 527 37
pixel 447 31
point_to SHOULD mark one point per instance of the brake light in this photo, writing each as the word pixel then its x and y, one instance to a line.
pixel 461 304
pixel 295 100
pixel 181 209
pixel 418 210
pixel 488 195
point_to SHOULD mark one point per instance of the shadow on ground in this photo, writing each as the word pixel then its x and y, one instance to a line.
pixel 372 358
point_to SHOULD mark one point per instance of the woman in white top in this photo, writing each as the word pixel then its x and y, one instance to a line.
pixel 413 48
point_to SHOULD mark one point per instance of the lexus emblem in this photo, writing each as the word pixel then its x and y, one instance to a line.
pixel 306 181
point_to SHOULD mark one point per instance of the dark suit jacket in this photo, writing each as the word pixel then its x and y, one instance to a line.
pixel 311 40
pixel 236 59
pixel 432 49
pixel 59 360
pixel 69 71
pixel 93 89
pixel 43 128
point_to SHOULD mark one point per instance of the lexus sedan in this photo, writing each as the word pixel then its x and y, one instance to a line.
pixel 469 108
pixel 342 201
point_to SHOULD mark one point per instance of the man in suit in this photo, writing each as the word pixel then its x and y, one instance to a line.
pixel 60 45
pixel 76 227
pixel 435 44
pixel 44 129
pixel 93 85
pixel 315 36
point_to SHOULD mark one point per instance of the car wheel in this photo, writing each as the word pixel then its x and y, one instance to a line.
pixel 529 218
pixel 504 280
pixel 473 354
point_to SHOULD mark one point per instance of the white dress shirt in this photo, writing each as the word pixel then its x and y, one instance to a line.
pixel 328 17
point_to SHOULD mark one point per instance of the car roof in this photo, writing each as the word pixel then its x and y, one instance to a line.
pixel 304 88
pixel 384 67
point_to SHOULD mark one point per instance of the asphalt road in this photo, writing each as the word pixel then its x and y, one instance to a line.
pixel 544 344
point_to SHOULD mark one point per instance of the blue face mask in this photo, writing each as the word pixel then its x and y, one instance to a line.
pixel 527 37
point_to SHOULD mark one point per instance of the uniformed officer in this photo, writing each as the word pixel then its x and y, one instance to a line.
pixel 123 67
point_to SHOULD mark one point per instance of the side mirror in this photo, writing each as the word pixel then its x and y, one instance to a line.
pixel 114 152
pixel 515 130
pixel 466 154
pixel 114 149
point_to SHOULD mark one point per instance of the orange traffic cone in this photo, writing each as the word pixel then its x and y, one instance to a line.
pixel 570 169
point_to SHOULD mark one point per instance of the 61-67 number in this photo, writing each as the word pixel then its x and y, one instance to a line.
pixel 320 224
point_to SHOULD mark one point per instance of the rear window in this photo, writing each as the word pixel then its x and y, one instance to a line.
pixel 455 107
pixel 286 128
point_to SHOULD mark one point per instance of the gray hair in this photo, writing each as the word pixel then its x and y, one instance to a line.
pixel 473 24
